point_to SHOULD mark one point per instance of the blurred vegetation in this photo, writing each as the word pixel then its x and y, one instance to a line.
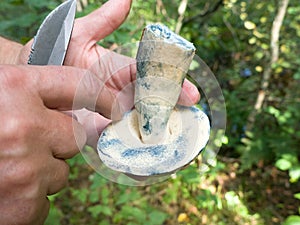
pixel 256 177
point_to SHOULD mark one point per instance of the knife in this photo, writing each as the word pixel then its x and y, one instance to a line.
pixel 52 39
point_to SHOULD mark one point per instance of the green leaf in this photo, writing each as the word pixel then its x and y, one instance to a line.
pixel 54 216
pixel 94 196
pixel 292 220
pixel 283 164
pixel 249 25
pixel 272 110
pixel 105 222
pixel 157 218
pixel 297 195
pixel 80 194
pixel 133 213
pixel 37 3
pixel 106 210
pixel 294 174
pixel 123 198
pixel 232 199
pixel 190 175
pixel 105 196
pixel 127 197
pixel 100 209
pixel 297 75
pixel 95 210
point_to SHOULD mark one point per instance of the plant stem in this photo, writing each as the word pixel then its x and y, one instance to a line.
pixel 274 52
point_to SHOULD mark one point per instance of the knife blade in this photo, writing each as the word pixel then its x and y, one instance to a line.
pixel 52 39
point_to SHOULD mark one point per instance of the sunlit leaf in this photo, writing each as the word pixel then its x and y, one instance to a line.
pixel 259 69
pixel 252 40
pixel 263 19
pixel 258 34
pixel 55 215
pixel 292 220
pixel 225 140
pixel 297 195
pixel 283 164
pixel 294 173
pixel 243 16
pixel 249 25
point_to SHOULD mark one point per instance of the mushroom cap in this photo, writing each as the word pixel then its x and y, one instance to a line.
pixel 120 147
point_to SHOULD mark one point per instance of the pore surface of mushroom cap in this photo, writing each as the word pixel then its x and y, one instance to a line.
pixel 120 146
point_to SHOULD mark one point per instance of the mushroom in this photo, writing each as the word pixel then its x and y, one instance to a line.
pixel 157 137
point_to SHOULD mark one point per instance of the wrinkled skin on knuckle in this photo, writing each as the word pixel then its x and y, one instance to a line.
pixel 18 129
pixel 24 211
pixel 18 172
pixel 22 151
pixel 21 192
pixel 13 77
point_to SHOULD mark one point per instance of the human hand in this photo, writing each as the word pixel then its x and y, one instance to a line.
pixel 36 136
pixel 115 70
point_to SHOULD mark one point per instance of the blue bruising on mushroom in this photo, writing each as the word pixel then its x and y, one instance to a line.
pixel 164 32
pixel 198 114
pixel 147 127
pixel 146 85
pixel 117 166
pixel 126 114
pixel 176 153
pixel 181 41
pixel 141 68
pixel 107 155
pixel 154 151
pixel 107 143
pixel 181 141
pixel 103 135
pixel 194 109
pixel 153 172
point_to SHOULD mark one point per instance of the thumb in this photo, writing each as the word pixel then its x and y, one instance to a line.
pixel 104 20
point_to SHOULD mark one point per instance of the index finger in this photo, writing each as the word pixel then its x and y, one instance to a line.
pixel 66 88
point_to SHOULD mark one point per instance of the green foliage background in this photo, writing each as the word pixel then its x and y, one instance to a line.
pixel 233 38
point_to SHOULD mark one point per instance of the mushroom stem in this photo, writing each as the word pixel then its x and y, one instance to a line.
pixel 163 60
